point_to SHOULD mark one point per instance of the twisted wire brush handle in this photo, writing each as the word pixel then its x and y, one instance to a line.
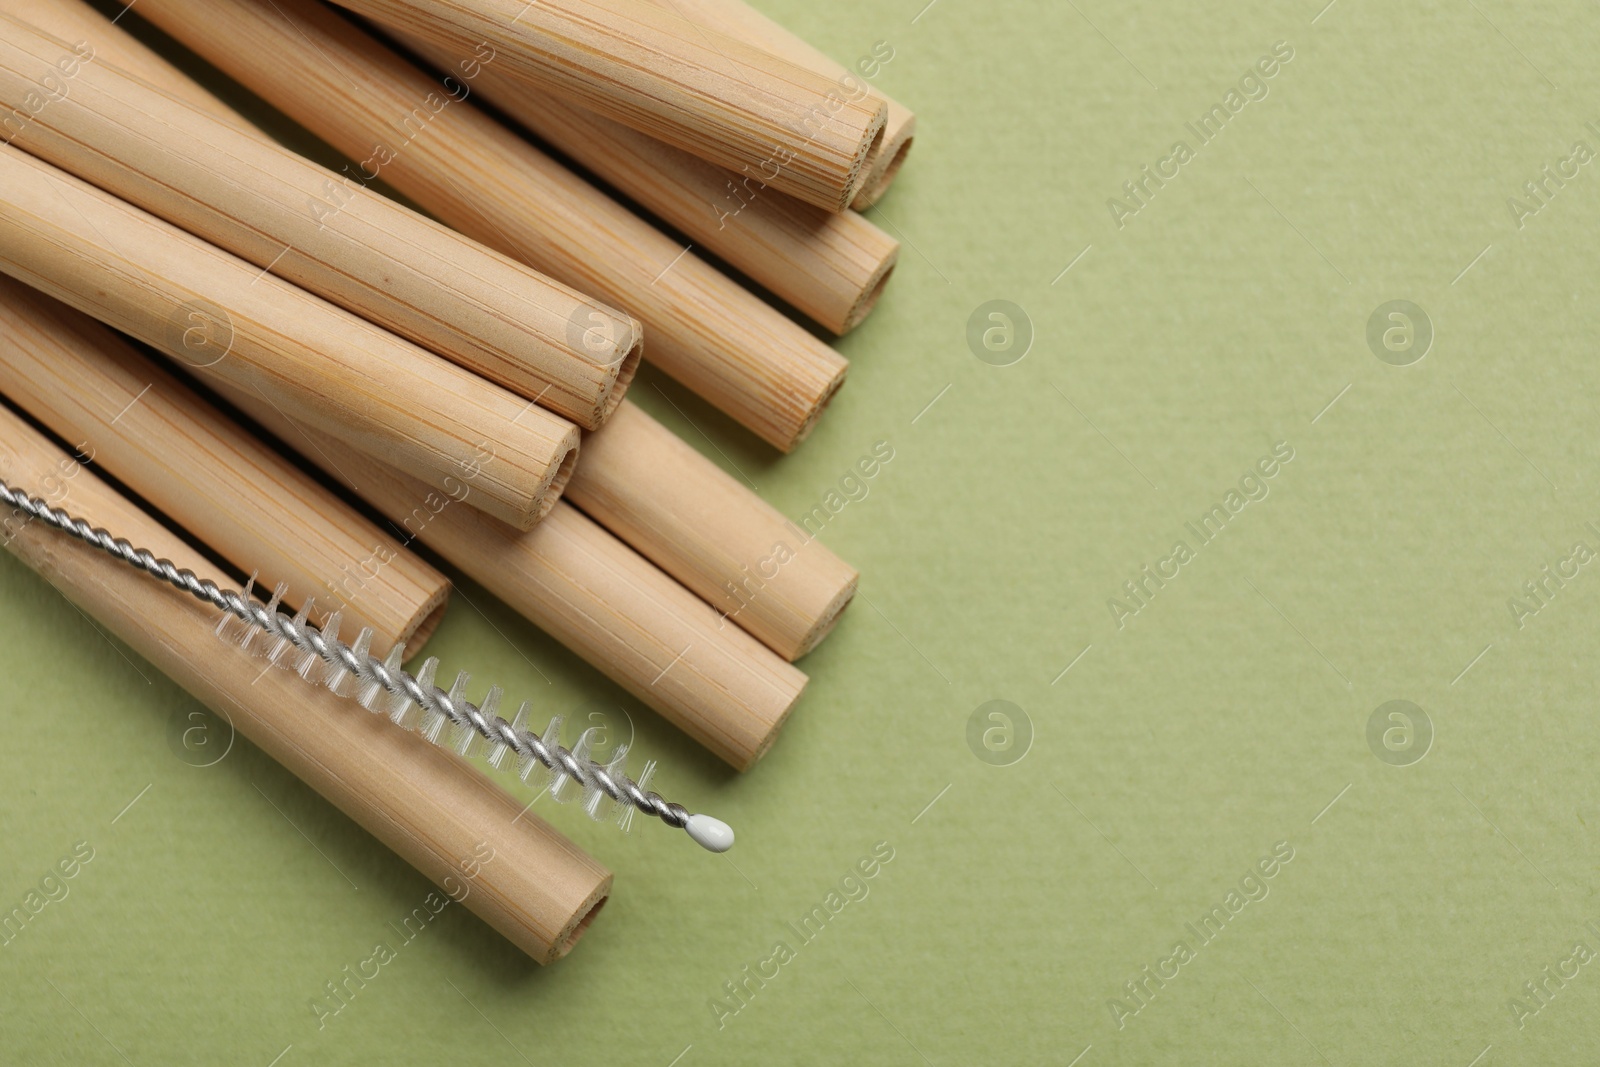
pixel 353 668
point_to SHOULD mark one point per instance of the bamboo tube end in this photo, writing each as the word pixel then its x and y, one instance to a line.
pixel 876 283
pixel 579 924
pixel 534 507
pixel 627 368
pixel 882 170
pixel 561 474
pixel 426 621
pixel 871 146
pixel 803 430
pixel 829 617
pixel 775 727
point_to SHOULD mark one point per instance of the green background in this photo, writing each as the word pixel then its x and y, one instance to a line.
pixel 1230 714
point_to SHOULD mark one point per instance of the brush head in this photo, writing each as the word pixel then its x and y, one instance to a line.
pixel 714 835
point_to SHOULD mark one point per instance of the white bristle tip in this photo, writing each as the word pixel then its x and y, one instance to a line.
pixel 713 835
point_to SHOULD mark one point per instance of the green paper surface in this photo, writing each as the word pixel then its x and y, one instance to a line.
pixel 1443 849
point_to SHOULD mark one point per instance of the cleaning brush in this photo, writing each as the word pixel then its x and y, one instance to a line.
pixel 413 701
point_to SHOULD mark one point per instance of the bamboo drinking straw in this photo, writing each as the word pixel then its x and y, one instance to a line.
pixel 209 476
pixel 593 594
pixel 719 539
pixel 539 890
pixel 233 323
pixel 699 90
pixel 738 19
pixel 831 267
pixel 469 170
pixel 668 501
pixel 324 231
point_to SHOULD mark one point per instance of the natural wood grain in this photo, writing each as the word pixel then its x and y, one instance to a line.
pixel 205 473
pixel 694 88
pixel 538 889
pixel 738 19
pixel 480 177
pixel 75 20
pixel 231 322
pixel 322 230
pixel 831 266
pixel 713 534
pixel 595 595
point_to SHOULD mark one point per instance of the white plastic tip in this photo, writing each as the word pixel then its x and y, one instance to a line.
pixel 713 835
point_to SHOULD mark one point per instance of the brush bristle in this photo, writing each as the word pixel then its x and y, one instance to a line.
pixel 466 740
pixel 625 816
pixel 597 803
pixel 434 720
pixel 405 712
pixel 565 789
pixel 230 626
pixel 280 645
pixel 532 771
pixel 499 755
pixel 370 692
pixel 340 679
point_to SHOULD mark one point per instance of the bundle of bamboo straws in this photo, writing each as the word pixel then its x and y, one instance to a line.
pixel 441 371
